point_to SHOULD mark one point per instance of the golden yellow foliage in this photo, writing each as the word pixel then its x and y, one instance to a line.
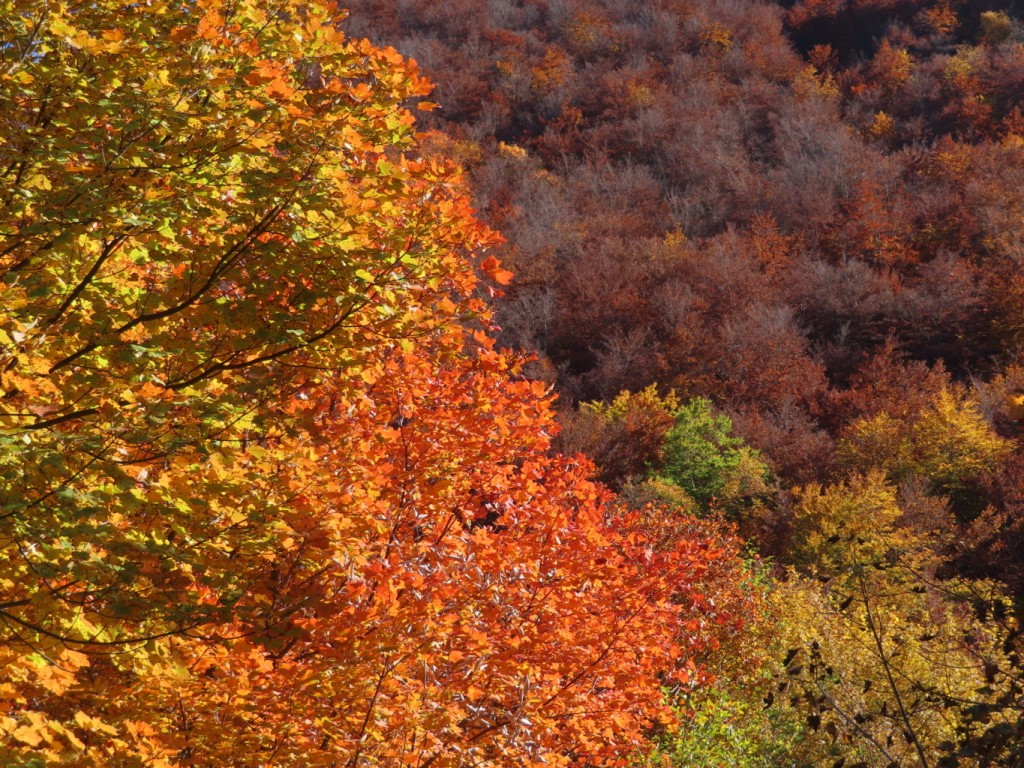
pixel 949 442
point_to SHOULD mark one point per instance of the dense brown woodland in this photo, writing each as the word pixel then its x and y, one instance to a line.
pixel 653 395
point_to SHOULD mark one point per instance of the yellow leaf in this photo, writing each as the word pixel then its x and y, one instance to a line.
pixel 28 735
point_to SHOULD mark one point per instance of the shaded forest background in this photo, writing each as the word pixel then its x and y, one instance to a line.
pixel 810 214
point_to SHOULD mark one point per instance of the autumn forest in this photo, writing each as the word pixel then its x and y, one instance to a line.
pixel 512 383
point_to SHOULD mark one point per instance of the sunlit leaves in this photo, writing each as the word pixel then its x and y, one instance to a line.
pixel 266 499
pixel 882 652
pixel 948 442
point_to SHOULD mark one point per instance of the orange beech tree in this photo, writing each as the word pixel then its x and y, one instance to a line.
pixel 269 494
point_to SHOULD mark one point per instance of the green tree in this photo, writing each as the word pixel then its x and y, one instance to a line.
pixel 706 461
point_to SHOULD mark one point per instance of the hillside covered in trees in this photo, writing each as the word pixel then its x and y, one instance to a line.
pixel 653 395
